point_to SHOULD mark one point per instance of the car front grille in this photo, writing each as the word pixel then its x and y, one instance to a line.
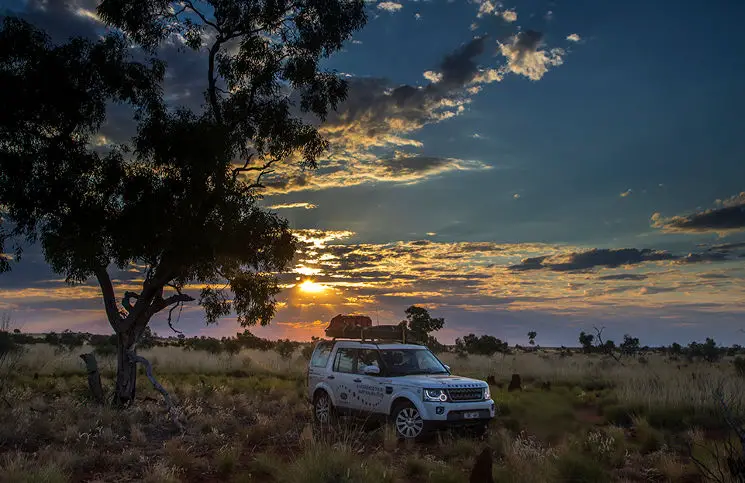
pixel 466 394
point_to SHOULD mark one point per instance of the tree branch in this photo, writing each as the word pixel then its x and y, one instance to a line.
pixel 601 344
pixel 201 16
pixel 166 397
pixel 109 299
pixel 211 80
pixel 159 305
pixel 125 300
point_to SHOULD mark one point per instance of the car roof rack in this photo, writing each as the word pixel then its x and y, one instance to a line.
pixel 374 334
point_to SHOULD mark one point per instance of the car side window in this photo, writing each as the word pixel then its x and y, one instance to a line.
pixel 367 358
pixel 345 360
pixel 321 355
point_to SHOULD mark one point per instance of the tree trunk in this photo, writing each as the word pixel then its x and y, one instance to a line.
pixel 126 371
pixel 94 377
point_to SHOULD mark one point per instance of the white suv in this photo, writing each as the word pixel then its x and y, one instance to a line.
pixel 403 383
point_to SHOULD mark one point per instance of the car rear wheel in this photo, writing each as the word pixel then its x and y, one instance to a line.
pixel 407 422
pixel 323 409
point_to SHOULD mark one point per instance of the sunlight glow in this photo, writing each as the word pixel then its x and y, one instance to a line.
pixel 312 287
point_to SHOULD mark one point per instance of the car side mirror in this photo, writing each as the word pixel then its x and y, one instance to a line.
pixel 447 367
pixel 372 371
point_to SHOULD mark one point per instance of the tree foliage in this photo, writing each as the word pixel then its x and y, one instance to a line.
pixel 421 324
pixel 179 201
pixel 629 346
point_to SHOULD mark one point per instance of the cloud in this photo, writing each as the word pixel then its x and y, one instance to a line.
pixel 433 77
pixel 596 257
pixel 728 246
pixel 486 7
pixel 525 56
pixel 391 7
pixel 305 205
pixel 624 276
pixel 413 167
pixel 509 16
pixel 728 217
pixel 574 37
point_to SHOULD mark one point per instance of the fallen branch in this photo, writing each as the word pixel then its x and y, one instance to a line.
pixel 166 397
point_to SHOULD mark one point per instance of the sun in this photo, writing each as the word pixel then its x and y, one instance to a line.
pixel 311 287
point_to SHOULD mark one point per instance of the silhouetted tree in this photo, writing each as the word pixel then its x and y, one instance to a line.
pixel 676 349
pixel 531 337
pixel 629 346
pixel 180 200
pixel 484 345
pixel 586 341
pixel 421 324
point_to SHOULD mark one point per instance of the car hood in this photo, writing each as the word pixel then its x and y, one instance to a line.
pixel 442 381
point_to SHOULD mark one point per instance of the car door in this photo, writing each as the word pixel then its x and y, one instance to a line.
pixel 370 390
pixel 342 378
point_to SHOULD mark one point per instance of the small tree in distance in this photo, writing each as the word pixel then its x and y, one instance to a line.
pixel 531 337
pixel 179 201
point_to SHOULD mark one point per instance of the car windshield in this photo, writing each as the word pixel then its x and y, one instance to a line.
pixel 404 362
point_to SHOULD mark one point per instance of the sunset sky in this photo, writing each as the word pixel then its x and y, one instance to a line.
pixel 533 165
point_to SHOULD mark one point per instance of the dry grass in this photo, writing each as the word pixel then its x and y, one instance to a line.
pixel 655 383
pixel 247 420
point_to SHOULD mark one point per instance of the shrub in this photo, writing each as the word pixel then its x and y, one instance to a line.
pixel 739 364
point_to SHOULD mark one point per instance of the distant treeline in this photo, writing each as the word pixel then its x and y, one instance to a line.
pixel 106 344
pixel 470 344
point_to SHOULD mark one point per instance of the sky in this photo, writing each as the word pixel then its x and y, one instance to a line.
pixel 530 165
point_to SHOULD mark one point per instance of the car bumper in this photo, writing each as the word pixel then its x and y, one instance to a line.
pixel 459 413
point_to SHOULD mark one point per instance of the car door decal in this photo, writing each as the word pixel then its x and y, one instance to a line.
pixel 368 395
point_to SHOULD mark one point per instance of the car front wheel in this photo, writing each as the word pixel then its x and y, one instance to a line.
pixel 407 421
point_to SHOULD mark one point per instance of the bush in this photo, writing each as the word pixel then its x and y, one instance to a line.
pixel 739 364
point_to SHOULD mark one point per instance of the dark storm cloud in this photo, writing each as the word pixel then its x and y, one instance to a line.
pixel 611 258
pixel 729 216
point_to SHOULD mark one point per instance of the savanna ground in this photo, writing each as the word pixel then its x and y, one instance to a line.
pixel 246 419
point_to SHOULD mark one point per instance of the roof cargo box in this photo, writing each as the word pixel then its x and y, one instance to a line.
pixel 360 327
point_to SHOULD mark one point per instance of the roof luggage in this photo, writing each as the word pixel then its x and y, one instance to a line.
pixel 360 327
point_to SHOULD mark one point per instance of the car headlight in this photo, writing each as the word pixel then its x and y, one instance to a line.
pixel 435 395
pixel 487 393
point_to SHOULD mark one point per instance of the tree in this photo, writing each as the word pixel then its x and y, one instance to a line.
pixel 531 337
pixel 421 323
pixel 484 345
pixel 285 348
pixel 586 341
pixel 629 346
pixel 179 200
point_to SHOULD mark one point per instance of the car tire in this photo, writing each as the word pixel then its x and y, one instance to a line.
pixel 407 422
pixel 323 409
